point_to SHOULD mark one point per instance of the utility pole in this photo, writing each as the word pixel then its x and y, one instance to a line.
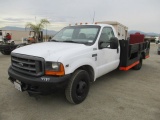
pixel 35 19
pixel 93 16
pixel 46 32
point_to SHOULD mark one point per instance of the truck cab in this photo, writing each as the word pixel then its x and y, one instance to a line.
pixel 75 57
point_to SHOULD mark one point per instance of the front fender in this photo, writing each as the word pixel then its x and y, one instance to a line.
pixel 79 63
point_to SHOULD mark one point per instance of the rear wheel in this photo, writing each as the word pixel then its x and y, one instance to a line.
pixel 139 65
pixel 78 87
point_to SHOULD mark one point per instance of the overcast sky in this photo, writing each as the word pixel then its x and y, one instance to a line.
pixel 141 15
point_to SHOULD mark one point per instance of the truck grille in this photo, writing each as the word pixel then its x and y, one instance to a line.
pixel 29 65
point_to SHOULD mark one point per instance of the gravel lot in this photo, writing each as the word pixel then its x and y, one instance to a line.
pixel 119 95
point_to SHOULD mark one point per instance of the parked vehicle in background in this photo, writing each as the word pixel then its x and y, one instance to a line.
pixel 32 37
pixel 6 43
pixel 4 38
pixel 6 47
pixel 75 57
pixel 1 37
pixel 158 50
pixel 157 40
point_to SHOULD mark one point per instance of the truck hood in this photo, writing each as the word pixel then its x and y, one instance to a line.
pixel 49 50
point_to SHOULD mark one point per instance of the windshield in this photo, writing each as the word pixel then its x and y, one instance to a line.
pixel 84 34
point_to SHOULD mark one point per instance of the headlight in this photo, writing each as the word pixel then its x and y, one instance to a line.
pixel 54 68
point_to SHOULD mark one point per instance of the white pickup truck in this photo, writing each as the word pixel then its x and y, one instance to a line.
pixel 75 57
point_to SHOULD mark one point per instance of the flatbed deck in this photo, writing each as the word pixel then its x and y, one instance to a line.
pixel 131 53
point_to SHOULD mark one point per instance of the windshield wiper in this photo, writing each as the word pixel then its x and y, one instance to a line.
pixel 70 41
pixel 52 40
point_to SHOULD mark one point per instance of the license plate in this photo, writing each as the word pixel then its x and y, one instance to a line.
pixel 17 86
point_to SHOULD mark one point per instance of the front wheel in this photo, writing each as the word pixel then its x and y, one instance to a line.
pixel 78 87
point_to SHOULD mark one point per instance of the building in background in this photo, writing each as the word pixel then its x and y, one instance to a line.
pixel 17 35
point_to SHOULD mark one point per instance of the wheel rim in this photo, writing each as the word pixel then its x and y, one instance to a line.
pixel 81 89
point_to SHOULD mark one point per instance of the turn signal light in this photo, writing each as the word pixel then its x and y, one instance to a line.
pixel 57 73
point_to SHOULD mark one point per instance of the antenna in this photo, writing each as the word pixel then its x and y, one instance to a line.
pixel 35 19
pixel 93 16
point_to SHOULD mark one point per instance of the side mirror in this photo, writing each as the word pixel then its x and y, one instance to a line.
pixel 104 45
pixel 114 43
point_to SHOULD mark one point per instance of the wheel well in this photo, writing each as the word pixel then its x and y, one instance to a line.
pixel 90 71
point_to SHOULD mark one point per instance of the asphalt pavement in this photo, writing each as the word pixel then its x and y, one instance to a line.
pixel 119 95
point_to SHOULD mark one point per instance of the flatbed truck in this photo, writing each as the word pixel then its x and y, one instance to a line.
pixel 75 57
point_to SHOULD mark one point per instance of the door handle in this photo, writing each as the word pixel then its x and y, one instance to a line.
pixel 94 55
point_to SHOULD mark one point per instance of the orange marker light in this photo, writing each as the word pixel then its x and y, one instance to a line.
pixel 147 56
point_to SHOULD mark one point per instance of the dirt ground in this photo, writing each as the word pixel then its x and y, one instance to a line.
pixel 119 95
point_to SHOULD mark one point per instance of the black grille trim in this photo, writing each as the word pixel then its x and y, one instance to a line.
pixel 29 65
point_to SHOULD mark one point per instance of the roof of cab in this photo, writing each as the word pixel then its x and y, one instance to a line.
pixel 97 24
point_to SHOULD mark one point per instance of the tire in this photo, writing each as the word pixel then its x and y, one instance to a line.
pixel 6 52
pixel 78 87
pixel 139 65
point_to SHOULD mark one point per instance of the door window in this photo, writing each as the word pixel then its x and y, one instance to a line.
pixel 106 34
